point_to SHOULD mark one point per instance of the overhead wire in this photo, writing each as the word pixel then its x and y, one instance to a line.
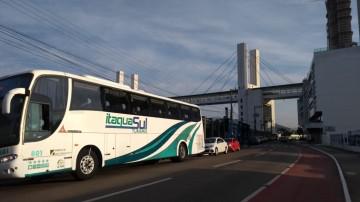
pixel 69 29
pixel 63 55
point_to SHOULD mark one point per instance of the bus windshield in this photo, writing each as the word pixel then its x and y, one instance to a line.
pixel 10 123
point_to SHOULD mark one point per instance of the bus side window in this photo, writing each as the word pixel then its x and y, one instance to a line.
pixel 85 96
pixel 173 110
pixel 139 105
pixel 185 112
pixel 158 108
pixel 195 114
pixel 46 108
pixel 116 101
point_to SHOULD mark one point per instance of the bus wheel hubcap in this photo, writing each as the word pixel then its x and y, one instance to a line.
pixel 87 164
pixel 182 152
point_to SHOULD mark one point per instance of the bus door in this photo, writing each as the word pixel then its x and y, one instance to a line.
pixel 110 145
pixel 123 143
pixel 47 145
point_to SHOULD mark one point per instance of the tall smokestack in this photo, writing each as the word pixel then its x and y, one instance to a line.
pixel 135 81
pixel 120 77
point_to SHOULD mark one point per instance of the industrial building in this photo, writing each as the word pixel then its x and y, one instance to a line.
pixel 328 108
pixel 330 101
pixel 339 33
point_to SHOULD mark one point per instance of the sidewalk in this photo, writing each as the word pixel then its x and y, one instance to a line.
pixel 350 164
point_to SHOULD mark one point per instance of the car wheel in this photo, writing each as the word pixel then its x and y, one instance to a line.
pixel 216 151
pixel 87 164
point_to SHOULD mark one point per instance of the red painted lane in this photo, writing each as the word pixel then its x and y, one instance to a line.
pixel 313 178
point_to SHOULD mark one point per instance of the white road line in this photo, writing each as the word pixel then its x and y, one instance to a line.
pixel 260 154
pixel 248 198
pixel 128 190
pixel 273 180
pixel 341 174
pixel 285 171
pixel 253 194
pixel 227 163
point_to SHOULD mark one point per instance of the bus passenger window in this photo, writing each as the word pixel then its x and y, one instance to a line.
pixel 158 108
pixel 139 105
pixel 173 110
pixel 85 96
pixel 185 112
pixel 195 116
pixel 116 101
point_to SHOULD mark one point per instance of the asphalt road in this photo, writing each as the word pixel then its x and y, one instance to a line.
pixel 230 177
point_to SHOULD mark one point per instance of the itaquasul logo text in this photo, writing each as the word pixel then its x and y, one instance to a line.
pixel 135 123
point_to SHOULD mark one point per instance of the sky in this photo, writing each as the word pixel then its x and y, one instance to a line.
pixel 174 45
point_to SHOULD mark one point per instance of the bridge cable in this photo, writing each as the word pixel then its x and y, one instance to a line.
pixel 213 72
pixel 221 75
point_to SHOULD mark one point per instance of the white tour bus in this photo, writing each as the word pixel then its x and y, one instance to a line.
pixel 54 122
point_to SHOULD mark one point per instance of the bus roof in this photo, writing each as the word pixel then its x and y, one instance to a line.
pixel 96 80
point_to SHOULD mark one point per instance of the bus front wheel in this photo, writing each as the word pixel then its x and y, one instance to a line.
pixel 86 164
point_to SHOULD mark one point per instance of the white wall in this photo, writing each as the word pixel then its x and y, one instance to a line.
pixel 337 86
pixel 255 102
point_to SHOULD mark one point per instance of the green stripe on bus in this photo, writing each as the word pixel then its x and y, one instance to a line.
pixel 192 139
pixel 147 149
pixel 65 170
pixel 171 150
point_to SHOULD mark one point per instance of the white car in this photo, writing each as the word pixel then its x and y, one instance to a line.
pixel 216 145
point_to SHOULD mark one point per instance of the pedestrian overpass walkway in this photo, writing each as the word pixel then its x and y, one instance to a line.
pixel 287 91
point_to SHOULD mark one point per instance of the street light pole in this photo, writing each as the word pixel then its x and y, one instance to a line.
pixel 255 115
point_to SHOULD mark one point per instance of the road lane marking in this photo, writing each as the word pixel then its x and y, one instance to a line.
pixel 350 173
pixel 341 174
pixel 128 190
pixel 248 198
pixel 273 180
pixel 260 154
pixel 226 164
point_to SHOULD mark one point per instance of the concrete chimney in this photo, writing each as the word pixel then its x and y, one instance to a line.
pixel 120 77
pixel 135 81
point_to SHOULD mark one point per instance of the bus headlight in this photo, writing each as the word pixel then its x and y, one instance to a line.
pixel 8 158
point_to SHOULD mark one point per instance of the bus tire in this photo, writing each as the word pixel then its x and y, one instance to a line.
pixel 182 153
pixel 87 164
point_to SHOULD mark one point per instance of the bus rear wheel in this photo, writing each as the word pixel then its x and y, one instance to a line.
pixel 182 153
pixel 87 164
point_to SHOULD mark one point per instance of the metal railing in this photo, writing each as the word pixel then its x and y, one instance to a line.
pixel 319 50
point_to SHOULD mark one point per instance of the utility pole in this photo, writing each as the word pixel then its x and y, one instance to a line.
pixel 255 115
pixel 231 115
pixel 358 7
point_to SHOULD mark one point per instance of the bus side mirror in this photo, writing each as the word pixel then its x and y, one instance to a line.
pixel 6 104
